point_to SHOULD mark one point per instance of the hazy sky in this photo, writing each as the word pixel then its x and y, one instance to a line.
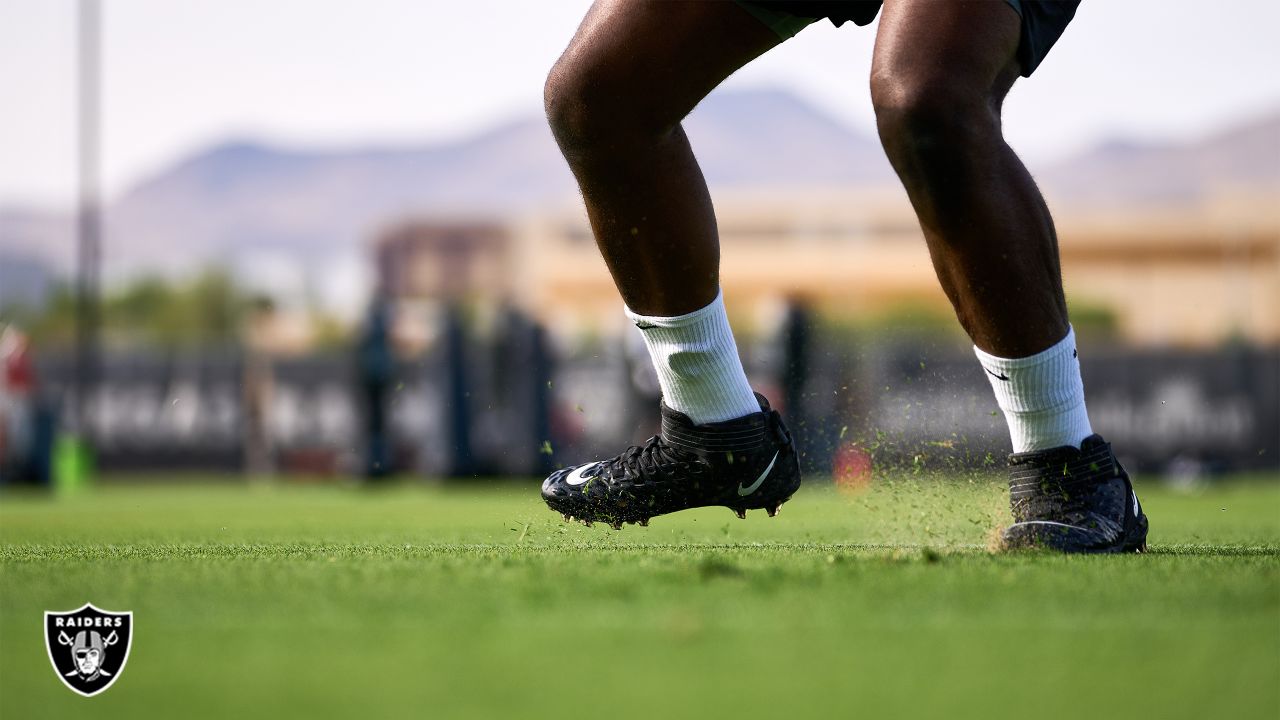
pixel 183 74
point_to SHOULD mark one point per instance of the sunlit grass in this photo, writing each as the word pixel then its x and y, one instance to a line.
pixel 286 601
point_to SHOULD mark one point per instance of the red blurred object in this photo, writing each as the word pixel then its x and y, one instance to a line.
pixel 851 468
pixel 15 357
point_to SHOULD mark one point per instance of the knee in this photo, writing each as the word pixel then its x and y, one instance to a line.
pixel 562 100
pixel 589 110
pixel 922 118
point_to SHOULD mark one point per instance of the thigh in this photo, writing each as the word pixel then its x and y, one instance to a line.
pixel 641 52
pixel 956 47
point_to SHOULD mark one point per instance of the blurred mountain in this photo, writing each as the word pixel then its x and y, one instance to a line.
pixel 25 281
pixel 771 138
pixel 244 197
pixel 34 237
pixel 1125 173
pixel 278 214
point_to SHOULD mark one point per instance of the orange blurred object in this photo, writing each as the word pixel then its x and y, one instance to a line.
pixel 851 468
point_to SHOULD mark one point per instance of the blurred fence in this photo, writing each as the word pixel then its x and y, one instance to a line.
pixel 1200 411
pixel 481 408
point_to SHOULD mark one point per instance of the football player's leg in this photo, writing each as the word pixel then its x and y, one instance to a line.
pixel 615 100
pixel 939 76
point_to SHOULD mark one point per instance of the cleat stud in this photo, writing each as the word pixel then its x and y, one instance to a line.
pixel 570 518
pixel 588 523
pixel 567 517
pixel 643 522
pixel 616 524
pixel 773 510
pixel 741 513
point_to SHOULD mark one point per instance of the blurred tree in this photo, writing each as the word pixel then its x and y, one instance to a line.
pixel 153 312
pixel 330 334
pixel 217 306
pixel 1094 322
pixel 53 324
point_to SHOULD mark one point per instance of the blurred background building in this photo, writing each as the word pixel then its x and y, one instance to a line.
pixel 438 307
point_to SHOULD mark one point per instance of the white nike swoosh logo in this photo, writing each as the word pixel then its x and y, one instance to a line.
pixel 1050 522
pixel 743 491
pixel 575 477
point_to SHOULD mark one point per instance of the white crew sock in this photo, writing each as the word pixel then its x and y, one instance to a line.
pixel 697 363
pixel 1042 396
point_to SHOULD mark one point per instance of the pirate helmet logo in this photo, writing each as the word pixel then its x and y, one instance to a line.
pixel 88 647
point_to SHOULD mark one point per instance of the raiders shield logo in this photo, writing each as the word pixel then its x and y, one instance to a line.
pixel 88 647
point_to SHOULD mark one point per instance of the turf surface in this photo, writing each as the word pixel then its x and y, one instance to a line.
pixel 424 603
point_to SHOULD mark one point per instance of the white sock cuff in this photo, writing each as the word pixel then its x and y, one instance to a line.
pixel 1046 382
pixel 1066 344
pixel 697 363
pixel 715 307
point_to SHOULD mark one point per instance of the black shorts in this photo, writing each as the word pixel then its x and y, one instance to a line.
pixel 1042 20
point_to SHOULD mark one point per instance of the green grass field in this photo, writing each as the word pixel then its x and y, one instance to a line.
pixel 328 601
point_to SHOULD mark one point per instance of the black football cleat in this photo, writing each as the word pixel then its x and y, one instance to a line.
pixel 1075 501
pixel 744 464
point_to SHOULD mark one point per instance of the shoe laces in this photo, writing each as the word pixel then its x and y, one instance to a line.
pixel 643 462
